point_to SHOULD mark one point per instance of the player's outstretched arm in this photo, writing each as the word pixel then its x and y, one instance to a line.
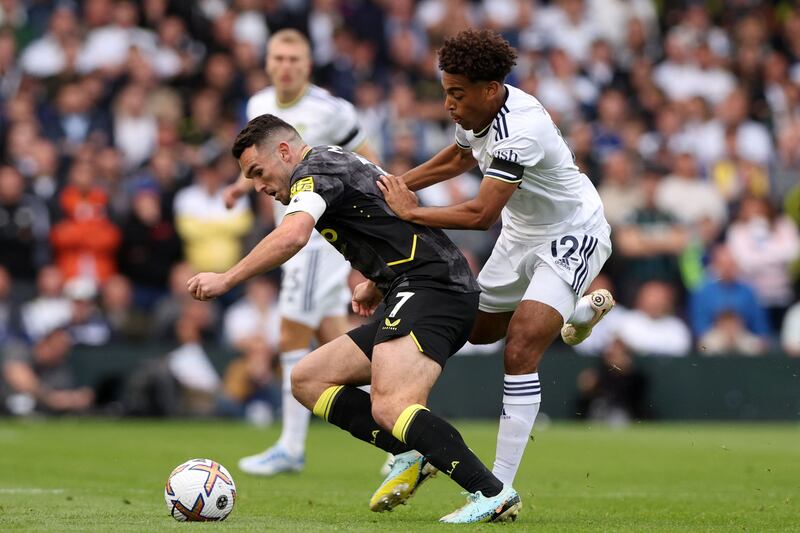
pixel 273 250
pixel 479 213
pixel 448 163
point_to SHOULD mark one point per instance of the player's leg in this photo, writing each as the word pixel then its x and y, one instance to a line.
pixel 503 281
pixel 402 377
pixel 402 407
pixel 592 307
pixel 299 319
pixel 535 324
pixel 326 382
pixel 490 327
pixel 295 341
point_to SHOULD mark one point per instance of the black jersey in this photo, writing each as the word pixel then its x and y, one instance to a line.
pixel 359 223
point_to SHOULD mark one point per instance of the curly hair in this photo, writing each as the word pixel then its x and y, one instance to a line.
pixel 480 55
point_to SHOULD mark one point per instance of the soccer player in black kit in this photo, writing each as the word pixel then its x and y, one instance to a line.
pixel 430 297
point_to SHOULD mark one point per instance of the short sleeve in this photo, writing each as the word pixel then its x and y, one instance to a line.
pixel 461 138
pixel 347 131
pixel 307 202
pixel 328 188
pixel 504 170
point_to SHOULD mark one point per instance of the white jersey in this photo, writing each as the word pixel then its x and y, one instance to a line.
pixel 319 117
pixel 523 145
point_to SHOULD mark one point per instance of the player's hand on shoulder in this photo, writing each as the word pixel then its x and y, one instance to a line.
pixel 366 298
pixel 400 199
pixel 207 285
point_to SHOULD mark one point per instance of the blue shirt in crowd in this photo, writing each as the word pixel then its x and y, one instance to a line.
pixel 714 297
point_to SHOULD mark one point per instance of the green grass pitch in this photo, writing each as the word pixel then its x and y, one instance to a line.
pixel 108 476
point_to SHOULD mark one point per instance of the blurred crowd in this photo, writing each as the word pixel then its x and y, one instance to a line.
pixel 116 119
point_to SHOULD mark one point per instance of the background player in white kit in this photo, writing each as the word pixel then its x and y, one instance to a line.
pixel 554 240
pixel 314 292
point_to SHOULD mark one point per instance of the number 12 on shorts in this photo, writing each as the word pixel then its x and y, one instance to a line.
pixel 404 297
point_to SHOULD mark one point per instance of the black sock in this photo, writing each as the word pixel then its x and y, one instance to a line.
pixel 350 409
pixel 443 446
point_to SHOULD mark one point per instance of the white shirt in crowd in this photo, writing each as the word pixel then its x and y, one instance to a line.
pixel 690 200
pixel 662 336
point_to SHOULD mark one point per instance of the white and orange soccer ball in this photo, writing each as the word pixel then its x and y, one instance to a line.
pixel 200 490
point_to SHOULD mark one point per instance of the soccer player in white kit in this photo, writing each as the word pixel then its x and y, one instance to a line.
pixel 554 240
pixel 314 293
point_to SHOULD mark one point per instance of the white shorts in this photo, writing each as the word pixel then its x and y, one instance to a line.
pixel 314 286
pixel 554 271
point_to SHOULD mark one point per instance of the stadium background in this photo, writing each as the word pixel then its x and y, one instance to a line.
pixel 685 115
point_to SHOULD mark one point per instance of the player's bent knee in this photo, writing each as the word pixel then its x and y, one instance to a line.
pixel 302 380
pixel 385 412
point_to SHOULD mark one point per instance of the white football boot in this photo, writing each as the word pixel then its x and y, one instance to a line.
pixel 601 302
pixel 275 460
pixel 501 508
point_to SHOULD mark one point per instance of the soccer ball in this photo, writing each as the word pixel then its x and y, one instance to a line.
pixel 200 490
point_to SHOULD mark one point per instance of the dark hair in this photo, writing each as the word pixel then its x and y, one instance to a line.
pixel 258 130
pixel 480 55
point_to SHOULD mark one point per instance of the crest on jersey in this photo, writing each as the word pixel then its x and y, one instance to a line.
pixel 302 185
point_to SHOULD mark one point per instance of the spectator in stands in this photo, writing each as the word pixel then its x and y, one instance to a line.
pixel 785 169
pixel 751 139
pixel 85 241
pixel 692 201
pixel 87 326
pixel 652 328
pixel 565 92
pixel 612 111
pixel 729 336
pixel 50 308
pixel 614 392
pixel 24 228
pixel 39 377
pixel 249 387
pixel 190 366
pixel 10 73
pixel 42 174
pixel 252 327
pixel 211 233
pixel 75 120
pixel 790 333
pixel 135 128
pixel 49 54
pixel 764 244
pixel 170 308
pixel 127 323
pixel 150 246
pixel 619 190
pixel 7 308
pixel 649 243
pixel 724 292
pixel 254 315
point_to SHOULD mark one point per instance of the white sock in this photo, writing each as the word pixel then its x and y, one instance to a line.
pixel 521 399
pixel 295 416
pixel 583 313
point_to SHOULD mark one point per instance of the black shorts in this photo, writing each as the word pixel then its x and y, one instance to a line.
pixel 438 320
